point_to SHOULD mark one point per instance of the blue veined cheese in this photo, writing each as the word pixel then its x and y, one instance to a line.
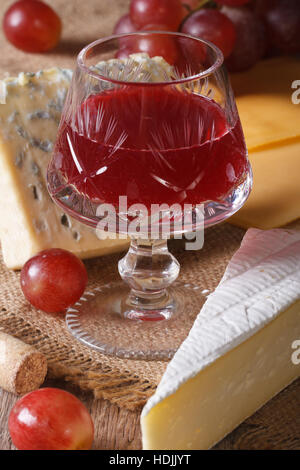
pixel 238 354
pixel 137 67
pixel 29 221
pixel 29 117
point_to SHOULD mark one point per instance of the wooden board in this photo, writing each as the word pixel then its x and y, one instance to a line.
pixel 277 424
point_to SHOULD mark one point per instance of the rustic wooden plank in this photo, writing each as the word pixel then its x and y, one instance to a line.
pixel 274 426
pixel 7 401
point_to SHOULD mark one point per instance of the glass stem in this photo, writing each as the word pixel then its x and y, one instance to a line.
pixel 148 268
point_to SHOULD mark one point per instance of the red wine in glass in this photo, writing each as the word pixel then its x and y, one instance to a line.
pixel 162 146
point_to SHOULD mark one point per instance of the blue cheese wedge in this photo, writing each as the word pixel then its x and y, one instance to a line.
pixel 30 111
pixel 30 222
pixel 239 353
pixel 137 67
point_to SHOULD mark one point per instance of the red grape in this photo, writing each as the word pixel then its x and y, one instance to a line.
pixel 213 26
pixel 155 45
pixel 32 26
pixel 250 44
pixel 152 44
pixel 123 53
pixel 232 3
pixel 124 25
pixel 53 280
pixel 129 45
pixel 282 20
pixel 50 419
pixel 156 27
pixel 168 12
pixel 158 46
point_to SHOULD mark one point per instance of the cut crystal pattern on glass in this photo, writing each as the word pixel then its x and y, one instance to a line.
pixel 168 139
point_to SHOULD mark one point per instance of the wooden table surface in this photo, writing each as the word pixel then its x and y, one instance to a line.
pixel 277 424
pixel 274 426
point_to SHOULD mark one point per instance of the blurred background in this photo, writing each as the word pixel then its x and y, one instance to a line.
pixel 245 30
pixel 83 22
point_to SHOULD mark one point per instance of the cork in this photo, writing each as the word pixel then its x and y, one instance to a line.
pixel 22 367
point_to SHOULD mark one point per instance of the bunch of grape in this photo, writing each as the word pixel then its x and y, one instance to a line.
pixel 244 30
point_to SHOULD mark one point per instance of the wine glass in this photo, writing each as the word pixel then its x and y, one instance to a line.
pixel 149 149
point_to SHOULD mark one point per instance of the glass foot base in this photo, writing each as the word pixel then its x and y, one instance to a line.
pixel 105 319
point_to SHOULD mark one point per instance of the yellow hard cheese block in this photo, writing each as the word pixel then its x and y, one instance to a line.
pixel 264 100
pixel 275 197
pixel 271 123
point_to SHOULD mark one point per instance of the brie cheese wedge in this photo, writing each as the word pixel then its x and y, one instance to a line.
pixel 239 351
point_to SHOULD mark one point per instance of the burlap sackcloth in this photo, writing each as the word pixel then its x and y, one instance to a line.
pixel 127 383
